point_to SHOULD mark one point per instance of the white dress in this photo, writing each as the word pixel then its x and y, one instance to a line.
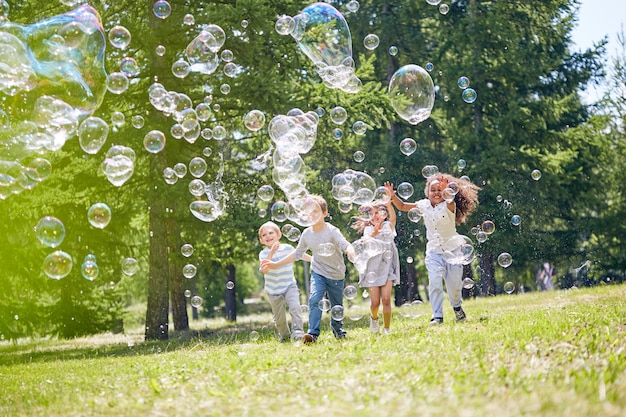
pixel 384 264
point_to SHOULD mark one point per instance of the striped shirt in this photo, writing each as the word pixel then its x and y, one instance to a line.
pixel 277 280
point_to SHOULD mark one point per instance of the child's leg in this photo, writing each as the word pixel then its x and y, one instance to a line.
pixel 454 283
pixel 280 317
pixel 435 265
pixel 292 296
pixel 374 301
pixel 318 288
pixel 335 295
pixel 386 299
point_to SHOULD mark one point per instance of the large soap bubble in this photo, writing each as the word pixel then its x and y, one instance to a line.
pixel 295 132
pixel 459 250
pixel 323 35
pixel 119 164
pixel 57 265
pixel 412 93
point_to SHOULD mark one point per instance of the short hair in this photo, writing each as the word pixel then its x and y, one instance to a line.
pixel 269 225
pixel 320 201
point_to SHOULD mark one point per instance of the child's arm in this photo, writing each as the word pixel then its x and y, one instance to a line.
pixel 400 205
pixel 307 258
pixel 392 215
pixel 267 264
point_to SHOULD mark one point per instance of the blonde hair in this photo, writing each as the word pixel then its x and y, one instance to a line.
pixel 269 225
pixel 466 199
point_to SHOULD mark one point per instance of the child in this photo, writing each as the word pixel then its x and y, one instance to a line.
pixel 383 269
pixel 280 283
pixel 441 217
pixel 328 268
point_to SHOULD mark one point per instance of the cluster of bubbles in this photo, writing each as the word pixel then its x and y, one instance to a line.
pixel 469 95
pixel 51 76
pixel 322 33
pixel 354 187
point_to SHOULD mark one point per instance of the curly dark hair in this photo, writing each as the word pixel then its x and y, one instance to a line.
pixel 466 199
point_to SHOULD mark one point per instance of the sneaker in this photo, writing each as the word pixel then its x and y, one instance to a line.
pixel 459 313
pixel 309 338
pixel 374 325
pixel 436 320
pixel 386 330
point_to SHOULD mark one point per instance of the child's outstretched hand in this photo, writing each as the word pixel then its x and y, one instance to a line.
pixel 266 265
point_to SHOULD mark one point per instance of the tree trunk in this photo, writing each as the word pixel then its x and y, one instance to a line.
pixel 487 274
pixel 158 291
pixel 472 291
pixel 230 298
pixel 180 319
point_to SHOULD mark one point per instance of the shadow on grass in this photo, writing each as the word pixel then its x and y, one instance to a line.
pixel 110 345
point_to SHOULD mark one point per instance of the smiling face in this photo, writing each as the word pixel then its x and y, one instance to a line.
pixel 268 235
pixel 379 215
pixel 435 192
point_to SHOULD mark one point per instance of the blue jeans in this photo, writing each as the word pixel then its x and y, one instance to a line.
pixel 321 285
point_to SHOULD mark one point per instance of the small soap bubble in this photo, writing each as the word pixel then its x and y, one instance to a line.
pixel 535 175
pixel 196 301
pixel 117 82
pixel 186 250
pixel 99 215
pixel 137 121
pixel 162 9
pixel 154 141
pixel 197 167
pixel 488 227
pixel 337 312
pixel 285 25
pixel 160 50
pixel 516 220
pixel 130 266
pixel 337 133
pixel 265 192
pixel 261 213
pixel 225 89
pixel 353 6
pixel 359 156
pixel 444 9
pixel 461 164
pixel 469 95
pixel 405 190
pixel 219 133
pixel 230 285
pixel 187 293
pixel 371 42
pixel 429 66
pixel 180 68
pixel 338 115
pixel 57 265
pixel 350 292
pixel 508 287
pixel 408 146
pixel 409 259
pixel 505 260
pixel 481 236
pixel 324 304
pixel 393 50
pixel 468 283
pixel 254 335
pixel 463 82
pixel 254 120
pixel 244 23
pixel 429 170
pixel 119 37
pixel 359 128
pixel 189 20
pixel 50 231
pixel 189 271
pixel 415 215
pixel 89 270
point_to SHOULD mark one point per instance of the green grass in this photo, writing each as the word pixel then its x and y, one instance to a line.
pixel 536 354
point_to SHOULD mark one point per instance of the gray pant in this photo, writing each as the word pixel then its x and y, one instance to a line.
pixel 291 297
pixel 439 271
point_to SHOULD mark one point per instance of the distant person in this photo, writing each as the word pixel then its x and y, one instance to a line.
pixel 382 270
pixel 280 283
pixel 328 268
pixel 544 277
pixel 449 201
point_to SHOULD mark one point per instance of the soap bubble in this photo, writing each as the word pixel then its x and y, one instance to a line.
pixel 119 37
pixel 415 214
pixel 181 68
pixel 371 42
pixel 353 6
pixel 355 312
pixel 92 133
pixel 254 335
pixel 324 304
pixel 508 287
pixel 130 266
pixel 444 9
pixel 469 95
pixel 254 120
pixel 505 260
pixel 196 301
pixel 119 164
pixel 285 25
pixel 337 133
pixel 138 121
pixel 516 220
pixel 160 50
pixel 468 283
pixel 89 270
pixel 162 9
pixel 382 195
pixel 408 146
pixel 154 141
pixel 458 250
pixel 350 292
pixel 535 175
pixel 338 115
pixel 405 190
pixel 429 170
pixel 393 50
pixel 57 265
pixel 186 250
pixel 279 211
pixel 412 93
pixel 336 312
pixel 230 285
pixel 118 119
pixel 359 156
pixel 50 231
pixel 117 82
pixel 99 215
pixel 129 67
pixel 187 293
pixel 433 2
pixel 189 271
pixel 265 192
pixel 197 167
pixel 461 164
pixel 488 227
pixel 429 66
pixel 359 127
pixel 463 82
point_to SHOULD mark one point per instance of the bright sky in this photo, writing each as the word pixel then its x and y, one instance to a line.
pixel 599 18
